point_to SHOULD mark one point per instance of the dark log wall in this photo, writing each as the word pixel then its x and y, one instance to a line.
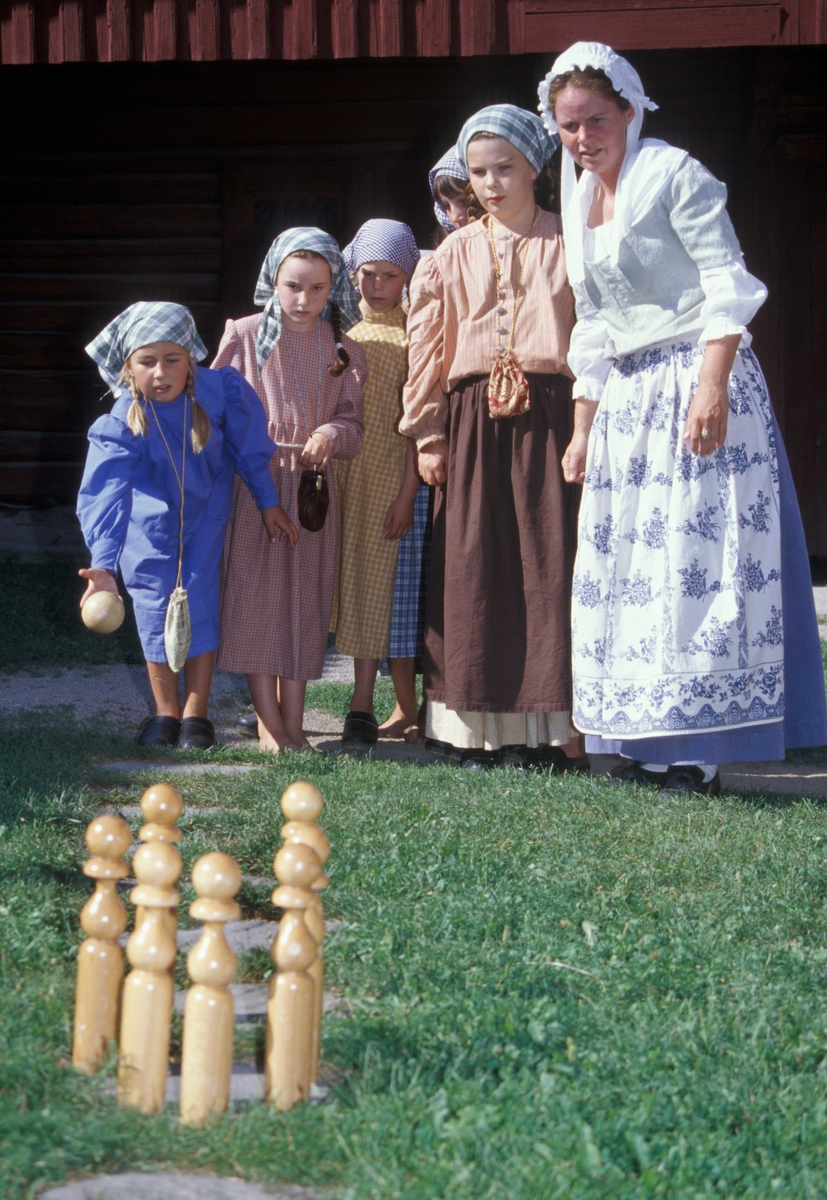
pixel 167 180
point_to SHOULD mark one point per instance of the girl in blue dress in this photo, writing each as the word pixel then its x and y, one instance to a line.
pixel 175 438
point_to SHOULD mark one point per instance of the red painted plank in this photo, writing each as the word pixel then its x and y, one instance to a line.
pixel 433 29
pixel 258 29
pixel 119 39
pixel 205 30
pixel 632 6
pixel 345 28
pixel 164 14
pixel 388 34
pixel 17 33
pixel 657 29
pixel 300 29
pixel 239 26
pixel 71 21
pixel 478 27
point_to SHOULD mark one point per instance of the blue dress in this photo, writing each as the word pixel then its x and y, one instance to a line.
pixel 129 500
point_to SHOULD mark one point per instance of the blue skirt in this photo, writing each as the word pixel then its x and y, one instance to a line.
pixel 408 619
pixel 805 714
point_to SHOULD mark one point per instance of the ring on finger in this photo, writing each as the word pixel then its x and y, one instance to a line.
pixel 704 432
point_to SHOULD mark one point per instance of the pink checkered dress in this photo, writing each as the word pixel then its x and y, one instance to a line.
pixel 276 602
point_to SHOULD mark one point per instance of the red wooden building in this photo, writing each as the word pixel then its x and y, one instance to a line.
pixel 153 148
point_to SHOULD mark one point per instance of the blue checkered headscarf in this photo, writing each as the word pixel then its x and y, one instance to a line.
pixel 451 165
pixel 381 240
pixel 524 130
pixel 139 325
pixel 342 292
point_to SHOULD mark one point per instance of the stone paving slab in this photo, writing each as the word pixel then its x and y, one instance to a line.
pixel 820 598
pixel 176 768
pixel 755 778
pixel 130 811
pixel 250 1002
pixel 173 1186
pixel 242 935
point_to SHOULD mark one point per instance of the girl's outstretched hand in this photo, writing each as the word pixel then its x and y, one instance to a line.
pixel 279 526
pixel 317 450
pixel 398 519
pixel 100 580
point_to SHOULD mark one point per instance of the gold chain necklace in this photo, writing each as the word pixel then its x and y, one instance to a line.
pixel 508 388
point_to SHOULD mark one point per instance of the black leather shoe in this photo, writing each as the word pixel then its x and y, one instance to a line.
pixel 160 731
pixel 480 760
pixel 547 758
pixel 248 725
pixel 686 781
pixel 361 730
pixel 197 733
pixel 633 772
pixel 469 760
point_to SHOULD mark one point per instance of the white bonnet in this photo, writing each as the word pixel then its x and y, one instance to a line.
pixel 623 76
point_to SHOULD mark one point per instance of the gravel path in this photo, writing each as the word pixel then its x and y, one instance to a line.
pixel 122 690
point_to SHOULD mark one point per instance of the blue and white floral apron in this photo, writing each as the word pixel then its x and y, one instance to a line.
pixel 677 612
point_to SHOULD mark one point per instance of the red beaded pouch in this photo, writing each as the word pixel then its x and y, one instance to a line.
pixel 508 394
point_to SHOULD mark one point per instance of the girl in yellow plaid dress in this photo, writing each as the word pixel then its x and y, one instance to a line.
pixel 376 490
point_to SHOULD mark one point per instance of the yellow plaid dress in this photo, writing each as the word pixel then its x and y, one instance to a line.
pixel 366 487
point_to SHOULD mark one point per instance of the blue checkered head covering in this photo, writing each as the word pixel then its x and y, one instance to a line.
pixel 451 165
pixel 139 325
pixel 342 292
pixel 381 240
pixel 523 129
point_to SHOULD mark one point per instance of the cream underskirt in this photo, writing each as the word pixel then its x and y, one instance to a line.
pixel 492 731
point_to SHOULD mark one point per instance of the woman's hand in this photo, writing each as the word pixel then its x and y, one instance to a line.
pixel 317 450
pixel 709 411
pixel 574 460
pixel 100 580
pixel 706 421
pixel 398 519
pixel 433 462
pixel 279 526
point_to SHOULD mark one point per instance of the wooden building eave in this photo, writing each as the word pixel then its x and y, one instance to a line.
pixel 63 31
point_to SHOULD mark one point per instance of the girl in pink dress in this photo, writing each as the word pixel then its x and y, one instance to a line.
pixel 276 602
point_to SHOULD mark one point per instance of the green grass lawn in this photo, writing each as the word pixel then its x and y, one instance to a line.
pixel 553 989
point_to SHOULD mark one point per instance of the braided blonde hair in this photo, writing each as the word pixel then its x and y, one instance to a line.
pixel 201 430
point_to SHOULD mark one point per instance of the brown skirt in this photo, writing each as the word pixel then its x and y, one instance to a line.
pixel 497 625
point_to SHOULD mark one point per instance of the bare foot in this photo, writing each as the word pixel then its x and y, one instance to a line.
pixel 415 736
pixel 297 743
pixel 273 743
pixel 396 724
pixel 394 729
pixel 269 745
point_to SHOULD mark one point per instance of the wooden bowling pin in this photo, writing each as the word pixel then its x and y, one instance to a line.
pixel 148 988
pixel 161 806
pixel 100 958
pixel 209 1016
pixel 291 1006
pixel 302 804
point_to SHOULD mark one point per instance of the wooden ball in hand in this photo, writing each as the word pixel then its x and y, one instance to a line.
pixel 103 612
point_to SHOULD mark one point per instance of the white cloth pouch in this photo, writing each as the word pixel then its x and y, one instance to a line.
pixel 177 629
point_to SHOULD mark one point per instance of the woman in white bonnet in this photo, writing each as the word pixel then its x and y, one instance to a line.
pixel 693 628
